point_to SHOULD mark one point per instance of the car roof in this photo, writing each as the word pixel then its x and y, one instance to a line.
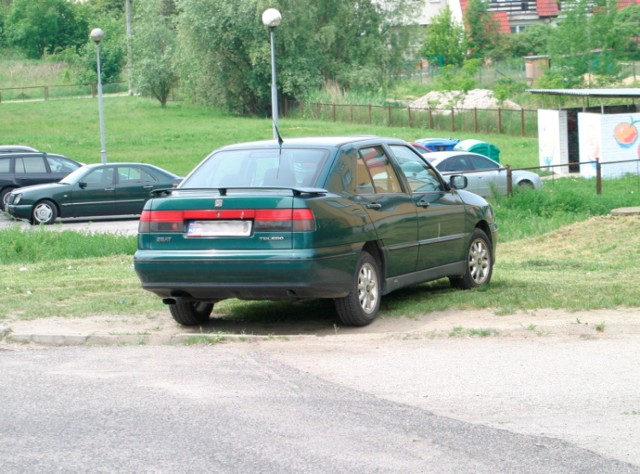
pixel 11 154
pixel 322 141
pixel 15 148
pixel 438 156
pixel 127 163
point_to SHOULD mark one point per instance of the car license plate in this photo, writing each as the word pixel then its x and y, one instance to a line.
pixel 235 228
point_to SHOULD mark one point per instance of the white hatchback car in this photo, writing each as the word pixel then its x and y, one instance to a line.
pixel 486 176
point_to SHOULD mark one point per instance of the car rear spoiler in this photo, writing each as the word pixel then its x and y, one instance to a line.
pixel 222 191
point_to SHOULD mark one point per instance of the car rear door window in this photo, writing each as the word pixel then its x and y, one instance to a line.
pixel 30 164
pixel 481 163
pixel 384 176
pixel 455 163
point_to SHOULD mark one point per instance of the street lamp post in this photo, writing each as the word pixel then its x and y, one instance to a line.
pixel 96 36
pixel 271 19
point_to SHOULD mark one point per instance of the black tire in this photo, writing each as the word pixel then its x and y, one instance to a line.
pixel 44 212
pixel 4 195
pixel 361 305
pixel 191 313
pixel 525 184
pixel 479 263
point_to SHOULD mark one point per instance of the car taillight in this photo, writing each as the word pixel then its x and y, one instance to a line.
pixel 265 220
pixel 161 221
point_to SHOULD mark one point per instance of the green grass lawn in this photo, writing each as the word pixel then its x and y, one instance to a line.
pixel 553 252
pixel 179 136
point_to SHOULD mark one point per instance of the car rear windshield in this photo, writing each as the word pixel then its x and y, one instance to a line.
pixel 299 167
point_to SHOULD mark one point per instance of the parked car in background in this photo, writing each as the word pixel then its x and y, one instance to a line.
pixel 92 190
pixel 344 218
pixel 24 168
pixel 438 144
pixel 421 148
pixel 486 177
pixel 15 148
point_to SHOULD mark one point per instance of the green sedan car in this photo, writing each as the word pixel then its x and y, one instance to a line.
pixel 344 218
pixel 110 189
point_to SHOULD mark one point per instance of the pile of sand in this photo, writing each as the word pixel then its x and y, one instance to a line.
pixel 474 99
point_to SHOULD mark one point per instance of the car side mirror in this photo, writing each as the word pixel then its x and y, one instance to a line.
pixel 82 184
pixel 458 181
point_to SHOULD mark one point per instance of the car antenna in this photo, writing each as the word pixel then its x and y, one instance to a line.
pixel 280 142
pixel 277 130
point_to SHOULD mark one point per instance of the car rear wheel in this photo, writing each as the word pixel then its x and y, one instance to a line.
pixel 191 313
pixel 44 212
pixel 526 184
pixel 479 263
pixel 361 305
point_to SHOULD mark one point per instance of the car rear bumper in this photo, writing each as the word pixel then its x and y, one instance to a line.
pixel 205 275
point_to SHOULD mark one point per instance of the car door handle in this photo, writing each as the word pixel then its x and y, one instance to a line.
pixel 374 205
pixel 109 189
pixel 423 203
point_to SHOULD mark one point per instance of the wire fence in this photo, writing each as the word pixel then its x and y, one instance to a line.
pixel 66 91
pixel 517 122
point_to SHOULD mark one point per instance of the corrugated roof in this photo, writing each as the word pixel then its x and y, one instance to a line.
pixel 628 93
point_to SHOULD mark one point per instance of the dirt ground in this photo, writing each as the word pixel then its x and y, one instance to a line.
pixel 161 329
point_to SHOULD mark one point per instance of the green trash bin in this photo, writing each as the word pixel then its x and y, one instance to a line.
pixel 480 147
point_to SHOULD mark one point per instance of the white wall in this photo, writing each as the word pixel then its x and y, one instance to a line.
pixel 553 147
pixel 609 138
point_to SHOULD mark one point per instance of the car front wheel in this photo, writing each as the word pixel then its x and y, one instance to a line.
pixel 479 263
pixel 44 212
pixel 361 305
pixel 191 313
pixel 4 197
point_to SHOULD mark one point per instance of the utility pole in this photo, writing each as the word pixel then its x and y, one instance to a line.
pixel 127 14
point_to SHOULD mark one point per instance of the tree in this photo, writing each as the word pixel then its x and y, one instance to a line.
pixel 45 26
pixel 112 51
pixel 482 29
pixel 628 26
pixel 224 51
pixel 587 40
pixel 154 45
pixel 533 41
pixel 445 39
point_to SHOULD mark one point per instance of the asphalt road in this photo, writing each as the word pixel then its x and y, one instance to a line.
pixel 334 405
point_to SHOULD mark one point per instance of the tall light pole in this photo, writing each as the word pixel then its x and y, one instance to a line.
pixel 96 36
pixel 271 19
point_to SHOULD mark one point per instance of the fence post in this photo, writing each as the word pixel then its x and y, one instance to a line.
pixel 453 120
pixel 389 114
pixel 598 178
pixel 522 122
pixel 369 114
pixel 334 111
pixel 509 180
pixel 475 119
pixel 46 92
pixel 431 118
pixel 499 119
pixel 409 115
